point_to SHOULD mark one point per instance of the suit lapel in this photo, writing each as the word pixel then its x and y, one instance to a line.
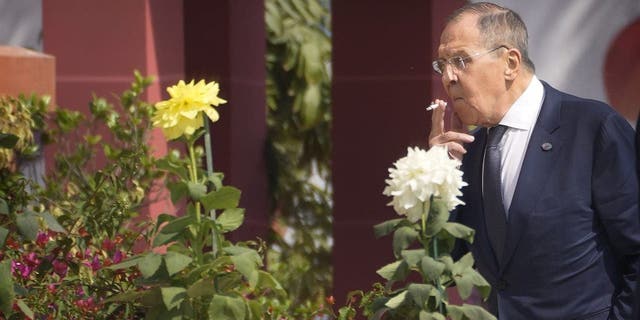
pixel 539 160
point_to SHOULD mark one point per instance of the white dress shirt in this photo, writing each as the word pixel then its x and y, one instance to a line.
pixel 520 118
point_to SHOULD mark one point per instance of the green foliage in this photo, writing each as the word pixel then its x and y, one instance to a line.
pixel 423 252
pixel 298 119
pixel 56 264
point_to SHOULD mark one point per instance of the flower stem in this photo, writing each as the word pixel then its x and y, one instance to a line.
pixel 209 155
pixel 193 173
pixel 434 244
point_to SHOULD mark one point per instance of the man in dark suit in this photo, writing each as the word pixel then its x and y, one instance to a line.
pixel 553 196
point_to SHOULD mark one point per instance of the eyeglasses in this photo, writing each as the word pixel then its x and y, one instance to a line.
pixel 459 63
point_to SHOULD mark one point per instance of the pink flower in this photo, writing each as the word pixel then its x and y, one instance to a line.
pixel 95 263
pixel 42 239
pixel 108 245
pixel 117 256
pixel 60 268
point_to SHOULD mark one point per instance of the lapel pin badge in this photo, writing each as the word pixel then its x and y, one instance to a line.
pixel 547 146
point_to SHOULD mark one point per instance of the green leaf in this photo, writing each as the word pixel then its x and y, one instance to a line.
pixel 150 264
pixel 459 231
pixel 164 238
pixel 431 268
pixel 25 309
pixel 424 315
pixel 384 228
pixel 7 295
pixel 246 262
pixel 177 225
pixel 223 198
pixel 127 296
pixel 462 276
pixel 176 262
pixel 178 190
pixel 420 293
pixel 3 236
pixel 413 256
pixel 202 287
pixel 403 238
pixel 127 263
pixel 4 208
pixel 266 280
pixel 224 307
pixel 394 271
pixel 467 311
pixel 230 219
pixel 28 225
pixel 52 223
pixel 396 301
pixel 8 140
pixel 173 296
pixel 196 190
pixel 463 264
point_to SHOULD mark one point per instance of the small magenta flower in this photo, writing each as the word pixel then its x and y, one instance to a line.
pixel 42 239
pixel 117 256
pixel 60 268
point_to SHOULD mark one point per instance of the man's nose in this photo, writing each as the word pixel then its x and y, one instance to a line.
pixel 448 75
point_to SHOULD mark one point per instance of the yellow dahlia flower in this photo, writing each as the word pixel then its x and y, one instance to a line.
pixel 182 113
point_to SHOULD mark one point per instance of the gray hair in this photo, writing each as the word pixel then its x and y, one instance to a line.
pixel 499 26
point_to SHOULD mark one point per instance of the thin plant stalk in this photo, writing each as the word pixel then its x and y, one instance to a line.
pixel 209 156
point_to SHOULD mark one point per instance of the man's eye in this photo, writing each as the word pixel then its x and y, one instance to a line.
pixel 458 62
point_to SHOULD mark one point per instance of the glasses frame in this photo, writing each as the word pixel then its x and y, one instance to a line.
pixel 459 63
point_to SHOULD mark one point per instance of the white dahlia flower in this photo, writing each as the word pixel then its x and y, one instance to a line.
pixel 420 175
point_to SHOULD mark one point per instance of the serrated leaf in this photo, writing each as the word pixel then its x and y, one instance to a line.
pixel 223 198
pixel 176 262
pixel 223 307
pixel 150 264
pixel 230 219
pixel 173 296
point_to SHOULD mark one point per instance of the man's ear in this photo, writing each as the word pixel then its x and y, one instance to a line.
pixel 513 64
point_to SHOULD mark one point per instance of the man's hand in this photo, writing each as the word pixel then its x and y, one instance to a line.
pixel 454 141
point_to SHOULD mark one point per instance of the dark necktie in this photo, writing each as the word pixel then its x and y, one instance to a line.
pixel 494 212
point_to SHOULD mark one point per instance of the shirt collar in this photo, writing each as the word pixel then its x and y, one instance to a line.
pixel 524 112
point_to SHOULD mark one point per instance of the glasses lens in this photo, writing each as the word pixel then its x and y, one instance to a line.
pixel 438 66
pixel 458 63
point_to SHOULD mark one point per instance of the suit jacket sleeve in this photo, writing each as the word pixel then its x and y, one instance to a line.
pixel 615 199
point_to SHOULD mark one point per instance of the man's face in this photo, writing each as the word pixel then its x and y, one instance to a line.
pixel 477 90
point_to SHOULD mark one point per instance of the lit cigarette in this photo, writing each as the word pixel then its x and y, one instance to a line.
pixel 434 106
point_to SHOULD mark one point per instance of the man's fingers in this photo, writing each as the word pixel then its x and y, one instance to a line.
pixel 437 119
